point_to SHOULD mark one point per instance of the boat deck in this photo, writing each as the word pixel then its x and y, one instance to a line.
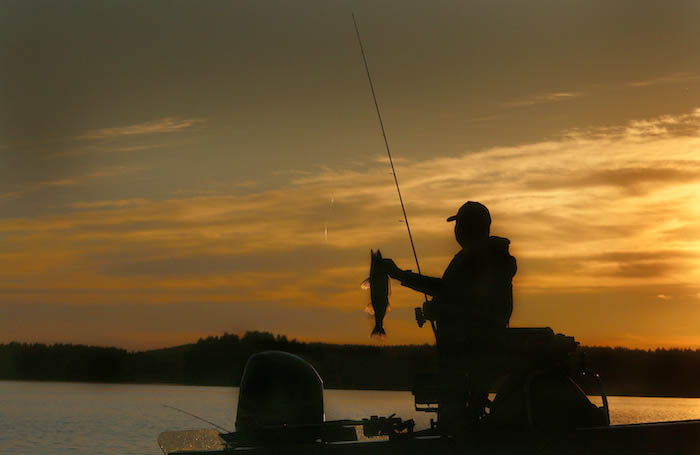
pixel 662 438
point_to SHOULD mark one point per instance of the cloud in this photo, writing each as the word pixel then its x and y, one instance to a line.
pixel 644 256
pixel 663 126
pixel 308 258
pixel 624 264
pixel 544 98
pixel 135 148
pixel 667 79
pixel 11 195
pixel 605 208
pixel 60 182
pixel 112 203
pixel 72 180
pixel 646 269
pixel 568 187
pixel 633 179
pixel 162 126
pixel 94 174
pixel 107 148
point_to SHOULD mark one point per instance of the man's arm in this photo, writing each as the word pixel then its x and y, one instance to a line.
pixel 421 283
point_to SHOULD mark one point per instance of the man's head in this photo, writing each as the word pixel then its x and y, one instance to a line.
pixel 473 223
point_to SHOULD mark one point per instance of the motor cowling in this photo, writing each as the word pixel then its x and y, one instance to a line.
pixel 279 388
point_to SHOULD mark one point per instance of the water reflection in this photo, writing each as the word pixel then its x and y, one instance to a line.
pixel 58 418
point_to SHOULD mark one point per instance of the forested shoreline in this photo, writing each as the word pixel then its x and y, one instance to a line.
pixel 219 360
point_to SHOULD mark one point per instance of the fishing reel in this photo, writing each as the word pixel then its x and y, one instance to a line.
pixel 425 313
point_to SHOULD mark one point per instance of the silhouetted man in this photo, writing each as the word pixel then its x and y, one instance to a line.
pixel 473 297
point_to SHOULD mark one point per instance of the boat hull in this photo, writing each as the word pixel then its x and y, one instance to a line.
pixel 662 438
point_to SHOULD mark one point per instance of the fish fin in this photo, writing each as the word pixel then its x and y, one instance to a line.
pixel 388 304
pixel 365 284
pixel 369 309
pixel 378 332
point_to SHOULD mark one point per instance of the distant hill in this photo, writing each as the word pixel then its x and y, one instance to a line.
pixel 219 360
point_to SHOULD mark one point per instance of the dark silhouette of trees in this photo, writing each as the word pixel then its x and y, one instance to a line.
pixel 663 372
pixel 62 362
pixel 219 360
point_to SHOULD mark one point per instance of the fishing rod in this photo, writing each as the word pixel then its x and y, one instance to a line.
pixel 197 417
pixel 388 152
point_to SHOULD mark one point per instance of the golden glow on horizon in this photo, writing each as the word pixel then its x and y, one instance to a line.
pixel 610 212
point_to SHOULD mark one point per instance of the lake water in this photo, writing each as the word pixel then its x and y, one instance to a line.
pixel 77 418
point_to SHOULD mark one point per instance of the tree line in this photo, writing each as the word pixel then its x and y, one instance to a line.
pixel 219 360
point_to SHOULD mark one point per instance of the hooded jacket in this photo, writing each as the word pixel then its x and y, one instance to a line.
pixel 476 289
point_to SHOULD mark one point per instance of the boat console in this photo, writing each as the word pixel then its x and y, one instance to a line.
pixel 534 387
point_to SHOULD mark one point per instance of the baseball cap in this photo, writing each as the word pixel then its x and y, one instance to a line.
pixel 472 210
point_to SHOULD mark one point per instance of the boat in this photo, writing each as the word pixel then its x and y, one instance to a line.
pixel 538 410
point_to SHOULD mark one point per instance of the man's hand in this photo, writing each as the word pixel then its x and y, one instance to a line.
pixel 430 310
pixel 391 268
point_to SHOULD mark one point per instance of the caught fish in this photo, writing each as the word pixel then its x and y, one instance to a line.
pixel 378 285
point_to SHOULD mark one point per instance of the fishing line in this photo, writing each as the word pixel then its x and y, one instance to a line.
pixel 197 417
pixel 388 152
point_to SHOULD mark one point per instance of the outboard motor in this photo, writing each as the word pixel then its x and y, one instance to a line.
pixel 278 389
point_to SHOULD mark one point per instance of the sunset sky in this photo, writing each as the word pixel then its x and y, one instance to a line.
pixel 171 170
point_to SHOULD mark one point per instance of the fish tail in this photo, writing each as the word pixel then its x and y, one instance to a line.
pixel 378 331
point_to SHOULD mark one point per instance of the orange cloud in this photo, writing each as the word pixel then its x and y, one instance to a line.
pixel 162 126
pixel 606 210
pixel 667 79
pixel 552 97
